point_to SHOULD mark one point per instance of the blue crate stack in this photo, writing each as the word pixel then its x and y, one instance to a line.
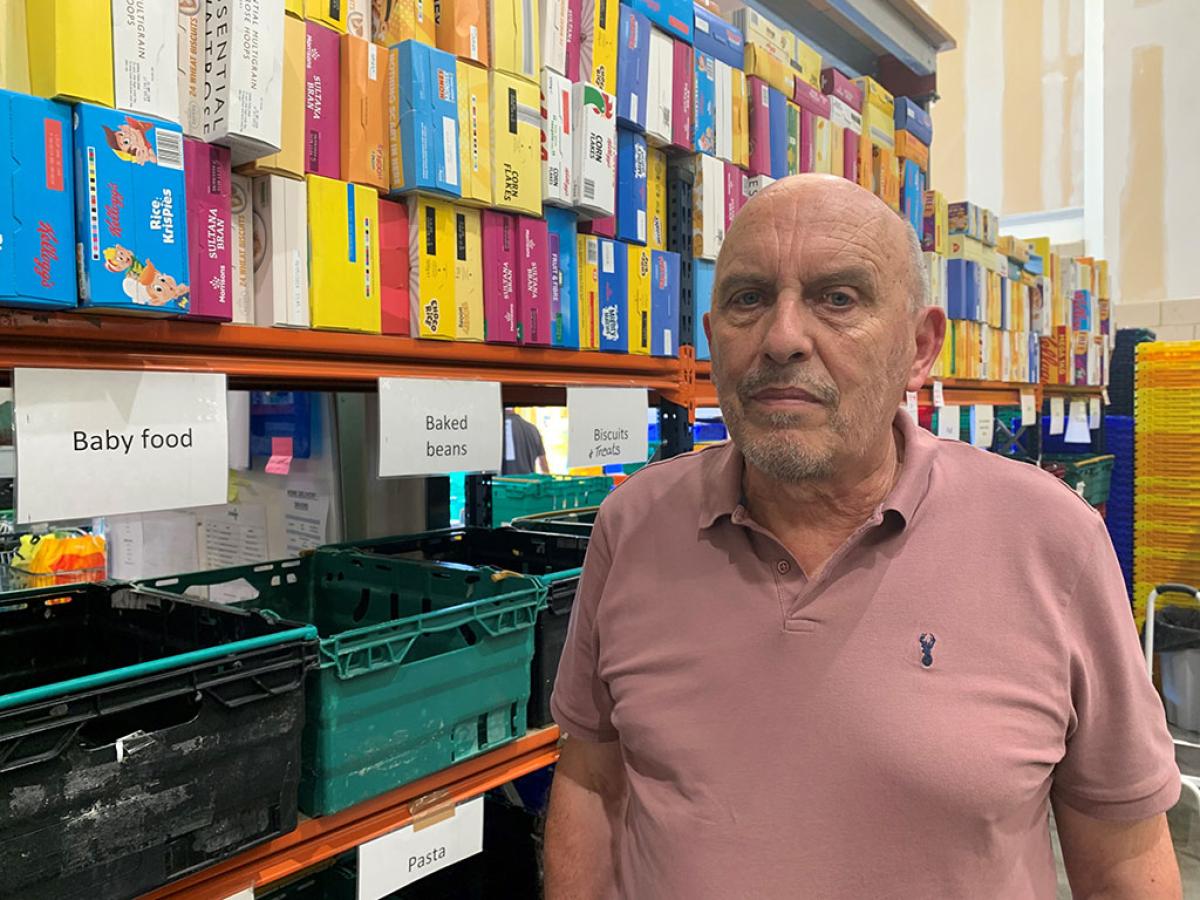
pixel 1118 440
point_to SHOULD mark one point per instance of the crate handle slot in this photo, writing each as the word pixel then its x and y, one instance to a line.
pixel 10 760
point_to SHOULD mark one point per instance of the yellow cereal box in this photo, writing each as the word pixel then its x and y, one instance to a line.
pixel 516 144
pixel 432 252
pixel 475 133
pixel 290 158
pixel 589 291
pixel 468 275
pixel 639 299
pixel 343 255
pixel 72 56
pixel 656 199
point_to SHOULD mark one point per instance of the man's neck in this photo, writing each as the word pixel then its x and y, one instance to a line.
pixel 812 519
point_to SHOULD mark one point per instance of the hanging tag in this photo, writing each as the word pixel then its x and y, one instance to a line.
pixel 1057 415
pixel 910 405
pixel 1029 410
pixel 1094 412
pixel 948 423
pixel 939 395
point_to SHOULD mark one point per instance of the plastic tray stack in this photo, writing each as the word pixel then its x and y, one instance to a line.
pixel 1167 482
pixel 1120 387
pixel 1118 440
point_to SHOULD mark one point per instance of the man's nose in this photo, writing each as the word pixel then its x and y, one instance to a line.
pixel 789 336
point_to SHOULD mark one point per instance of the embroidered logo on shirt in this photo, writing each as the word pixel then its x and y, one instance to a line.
pixel 927 641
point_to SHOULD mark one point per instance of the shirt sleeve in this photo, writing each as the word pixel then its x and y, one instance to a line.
pixel 538 446
pixel 1120 759
pixel 581 703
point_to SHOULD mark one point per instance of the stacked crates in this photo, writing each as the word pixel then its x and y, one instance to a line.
pixel 1118 440
pixel 1167 483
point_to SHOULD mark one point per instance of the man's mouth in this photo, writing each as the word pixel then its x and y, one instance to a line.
pixel 785 398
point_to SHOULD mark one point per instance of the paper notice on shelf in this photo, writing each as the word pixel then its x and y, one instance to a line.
pixel 948 423
pixel 280 462
pixel 910 405
pixel 152 544
pixel 1029 410
pixel 306 516
pixel 1057 415
pixel 238 405
pixel 1094 412
pixel 233 535
pixel 983 424
pixel 939 395
pixel 1077 424
pixel 606 426
pixel 407 854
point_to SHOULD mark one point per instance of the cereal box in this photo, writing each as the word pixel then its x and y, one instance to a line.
pixel 468 275
pixel 431 249
pixel 343 255
pixel 534 324
pixel 322 102
pixel 500 288
pixel 145 58
pixel 241 244
pixel 564 277
pixel 364 135
pixel 516 144
pixel 280 244
pixel 210 252
pixel 393 267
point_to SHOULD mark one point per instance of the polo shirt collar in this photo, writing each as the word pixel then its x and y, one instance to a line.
pixel 723 465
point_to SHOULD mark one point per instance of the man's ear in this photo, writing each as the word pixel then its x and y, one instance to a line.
pixel 707 329
pixel 930 334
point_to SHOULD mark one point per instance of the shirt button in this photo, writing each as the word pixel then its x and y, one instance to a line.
pixel 783 566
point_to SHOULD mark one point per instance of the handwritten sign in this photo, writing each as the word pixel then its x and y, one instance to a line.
pixel 606 426
pixel 432 427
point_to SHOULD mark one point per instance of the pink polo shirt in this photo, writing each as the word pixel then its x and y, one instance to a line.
pixel 893 728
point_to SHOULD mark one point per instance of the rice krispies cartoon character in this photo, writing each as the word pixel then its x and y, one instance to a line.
pixel 131 141
pixel 155 288
pixel 118 259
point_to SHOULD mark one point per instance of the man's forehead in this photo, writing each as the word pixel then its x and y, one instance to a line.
pixel 774 247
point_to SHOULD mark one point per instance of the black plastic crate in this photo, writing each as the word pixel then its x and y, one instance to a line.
pixel 572 521
pixel 142 736
pixel 553 559
pixel 680 183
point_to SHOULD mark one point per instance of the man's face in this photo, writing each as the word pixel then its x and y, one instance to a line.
pixel 812 329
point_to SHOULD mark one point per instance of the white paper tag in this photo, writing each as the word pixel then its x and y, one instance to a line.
pixel 1094 412
pixel 510 446
pixel 1077 424
pixel 396 860
pixel 450 149
pixel 641 225
pixel 247 894
pixel 606 426
pixel 1029 410
pixel 910 405
pixel 608 259
pixel 983 424
pixel 939 395
pixel 1057 415
pixel 701 25
pixel 96 443
pixel 948 423
pixel 372 62
pixel 1104 396
pixel 633 107
pixel 432 427
pixel 474 39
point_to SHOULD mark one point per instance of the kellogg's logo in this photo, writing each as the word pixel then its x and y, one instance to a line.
pixel 47 255
pixel 112 210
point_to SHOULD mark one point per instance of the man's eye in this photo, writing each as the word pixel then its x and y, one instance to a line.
pixel 839 299
pixel 746 299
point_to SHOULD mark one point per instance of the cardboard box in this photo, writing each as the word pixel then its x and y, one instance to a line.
pixel 875 94
pixel 469 320
pixel 756 183
pixel 792 157
pixel 57 30
pixel 912 199
pixel 558 163
pixel 595 149
pixel 808 64
pixel 462 29
pixel 717 38
pixel 14 47
pixel 516 144
pixel 683 120
pixel 935 233
pixel 322 101
pixel 724 111
pixel 330 13
pixel 672 16
pixel 878 128
pixel 638 296
pixel 631 186
pixel 588 291
pixel 911 118
pixel 514 47
pixel 564 278
pixel 613 313
pixel 704 89
pixel 604 227
pixel 761 62
pixel 760 126
pixel 736 187
pixel 343 255
pixel 703 276
pixel 779 134
pixel 664 303
pixel 500 287
pixel 394 302
pixel 809 98
pixel 556 18
pixel 145 58
pixel 837 150
pixel 37 212
pixel 757 29
pixel 908 147
pixel 358 19
pixel 599 21
pixel 241 245
pixel 887 177
pixel 130 212
pixel 633 69
pixel 835 84
pixel 823 146
pixel 280 251
pixel 660 86
pixel 656 199
pixel 364 114
pixel 708 206
pixel 534 320
pixel 243 76
pixel 396 21
pixel 741 119
pixel 475 133
pixel 293 121
pixel 206 168
pixel 423 120
pixel 431 273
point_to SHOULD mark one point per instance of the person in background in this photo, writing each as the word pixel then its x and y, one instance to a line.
pixel 838 657
pixel 524 452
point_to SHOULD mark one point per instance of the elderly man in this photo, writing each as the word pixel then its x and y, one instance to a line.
pixel 838 657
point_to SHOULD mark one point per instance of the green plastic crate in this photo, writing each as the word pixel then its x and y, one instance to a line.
pixel 422 665
pixel 1089 474
pixel 514 496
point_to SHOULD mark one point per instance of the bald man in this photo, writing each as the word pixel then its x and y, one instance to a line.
pixel 838 657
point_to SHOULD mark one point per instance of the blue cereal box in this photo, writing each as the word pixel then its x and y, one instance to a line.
pixel 704 104
pixel 672 16
pixel 423 119
pixel 130 212
pixel 664 303
pixel 564 278
pixel 703 275
pixel 718 38
pixel 37 222
pixel 633 69
pixel 613 284
pixel 631 186
pixel 911 118
pixel 779 134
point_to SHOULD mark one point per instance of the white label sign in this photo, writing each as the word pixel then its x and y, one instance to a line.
pixel 910 405
pixel 939 395
pixel 605 426
pixel 948 423
pixel 396 860
pixel 983 424
pixel 1094 412
pixel 1029 410
pixel 1057 415
pixel 429 427
pixel 1077 424
pixel 95 443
